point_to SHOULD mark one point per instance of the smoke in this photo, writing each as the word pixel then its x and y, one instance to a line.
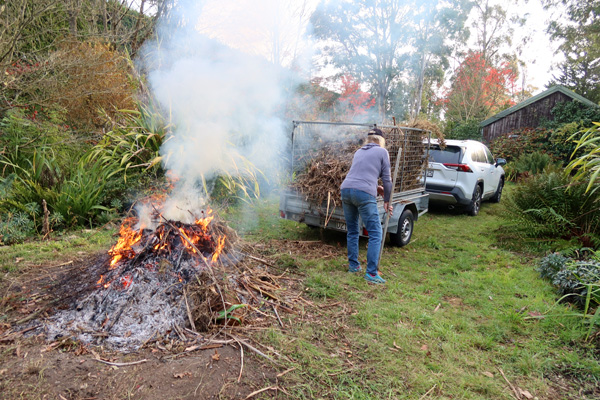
pixel 224 106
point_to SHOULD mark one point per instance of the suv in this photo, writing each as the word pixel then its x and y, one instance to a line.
pixel 463 173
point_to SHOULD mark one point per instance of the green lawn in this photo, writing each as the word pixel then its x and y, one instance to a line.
pixel 458 310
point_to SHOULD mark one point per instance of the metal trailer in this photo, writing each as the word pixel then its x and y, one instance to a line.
pixel 408 152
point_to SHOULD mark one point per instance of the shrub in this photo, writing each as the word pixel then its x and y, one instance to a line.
pixel 567 112
pixel 551 205
pixel 15 227
pixel 532 163
pixel 551 264
pixel 572 278
pixel 521 142
pixel 465 130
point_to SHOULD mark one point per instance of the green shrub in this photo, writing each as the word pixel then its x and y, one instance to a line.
pixel 551 264
pixel 464 130
pixel 551 205
pixel 15 227
pixel 568 112
pixel 524 141
pixel 574 279
pixel 532 163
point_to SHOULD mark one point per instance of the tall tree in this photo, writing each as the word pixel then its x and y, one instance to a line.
pixel 436 25
pixel 579 34
pixel 365 38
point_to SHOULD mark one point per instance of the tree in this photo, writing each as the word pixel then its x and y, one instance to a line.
pixel 435 27
pixel 365 38
pixel 579 35
pixel 479 90
pixel 353 102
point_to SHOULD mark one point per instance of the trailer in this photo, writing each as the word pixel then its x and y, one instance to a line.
pixel 408 152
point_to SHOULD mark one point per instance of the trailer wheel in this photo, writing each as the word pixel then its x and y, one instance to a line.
pixel 405 229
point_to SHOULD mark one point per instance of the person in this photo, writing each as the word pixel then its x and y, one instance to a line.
pixel 359 192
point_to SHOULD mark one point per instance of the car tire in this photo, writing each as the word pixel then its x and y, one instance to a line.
pixel 405 229
pixel 498 195
pixel 475 205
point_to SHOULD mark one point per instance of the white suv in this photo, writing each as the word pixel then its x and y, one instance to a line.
pixel 463 173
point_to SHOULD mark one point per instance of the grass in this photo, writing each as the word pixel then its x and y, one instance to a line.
pixel 458 308
pixel 61 247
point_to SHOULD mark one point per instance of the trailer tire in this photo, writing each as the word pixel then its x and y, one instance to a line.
pixel 405 229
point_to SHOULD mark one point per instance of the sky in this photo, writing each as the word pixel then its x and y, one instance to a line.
pixel 248 25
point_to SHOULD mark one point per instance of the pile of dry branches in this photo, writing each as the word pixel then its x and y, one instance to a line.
pixel 321 180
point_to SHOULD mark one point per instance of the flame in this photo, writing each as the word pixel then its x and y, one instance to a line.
pixel 189 240
pixel 219 249
pixel 203 222
pixel 101 280
pixel 123 248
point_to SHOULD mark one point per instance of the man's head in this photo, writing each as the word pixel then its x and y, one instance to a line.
pixel 375 135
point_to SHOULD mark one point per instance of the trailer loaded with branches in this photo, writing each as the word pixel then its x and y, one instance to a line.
pixel 321 156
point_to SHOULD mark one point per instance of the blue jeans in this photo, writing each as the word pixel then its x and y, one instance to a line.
pixel 358 203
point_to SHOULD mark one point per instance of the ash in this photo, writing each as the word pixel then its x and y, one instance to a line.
pixel 142 294
pixel 131 311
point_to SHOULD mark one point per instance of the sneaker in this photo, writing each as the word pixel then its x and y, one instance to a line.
pixel 354 269
pixel 374 278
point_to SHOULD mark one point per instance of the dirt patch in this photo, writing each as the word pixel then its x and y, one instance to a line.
pixel 29 370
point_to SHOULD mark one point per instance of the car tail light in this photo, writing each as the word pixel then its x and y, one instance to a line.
pixel 459 167
pixel 365 232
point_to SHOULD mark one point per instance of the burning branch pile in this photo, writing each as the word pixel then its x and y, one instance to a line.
pixel 164 280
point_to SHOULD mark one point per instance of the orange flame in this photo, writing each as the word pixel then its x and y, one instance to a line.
pixel 127 238
pixel 219 249
pixel 203 222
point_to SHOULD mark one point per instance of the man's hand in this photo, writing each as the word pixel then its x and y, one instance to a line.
pixel 388 208
pixel 380 190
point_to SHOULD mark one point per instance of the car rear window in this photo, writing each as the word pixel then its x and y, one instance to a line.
pixel 449 155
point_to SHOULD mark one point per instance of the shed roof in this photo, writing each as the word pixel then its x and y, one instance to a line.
pixel 523 104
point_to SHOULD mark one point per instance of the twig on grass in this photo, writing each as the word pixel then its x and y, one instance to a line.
pixel 119 364
pixel 517 395
pixel 429 391
pixel 274 387
pixel 254 349
pixel 277 314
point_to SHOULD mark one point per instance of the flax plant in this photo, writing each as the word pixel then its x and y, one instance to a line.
pixel 587 166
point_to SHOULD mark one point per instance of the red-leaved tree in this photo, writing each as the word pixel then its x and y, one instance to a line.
pixel 479 89
pixel 353 102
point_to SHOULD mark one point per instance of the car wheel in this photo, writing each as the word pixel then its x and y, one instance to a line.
pixel 405 229
pixel 496 197
pixel 475 205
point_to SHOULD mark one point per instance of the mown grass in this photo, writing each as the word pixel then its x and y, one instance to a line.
pixel 71 245
pixel 458 310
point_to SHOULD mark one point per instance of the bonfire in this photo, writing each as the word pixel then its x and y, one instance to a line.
pixel 165 280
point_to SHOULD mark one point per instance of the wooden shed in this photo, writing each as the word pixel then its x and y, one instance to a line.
pixel 529 113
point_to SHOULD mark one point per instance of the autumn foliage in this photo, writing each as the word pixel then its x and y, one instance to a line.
pixel 353 102
pixel 479 89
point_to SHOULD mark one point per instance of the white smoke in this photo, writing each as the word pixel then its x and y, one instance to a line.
pixel 223 105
